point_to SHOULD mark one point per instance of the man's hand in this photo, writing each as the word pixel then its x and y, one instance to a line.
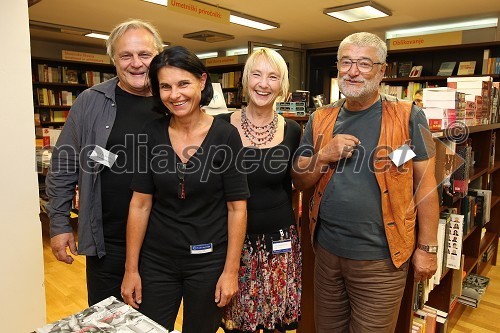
pixel 59 243
pixel 341 146
pixel 226 288
pixel 424 264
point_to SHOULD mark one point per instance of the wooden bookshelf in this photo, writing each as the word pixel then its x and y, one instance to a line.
pixel 56 81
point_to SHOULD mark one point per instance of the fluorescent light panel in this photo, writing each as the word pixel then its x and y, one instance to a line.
pixel 158 2
pixel 358 11
pixel 252 22
pixel 440 28
pixel 207 55
pixel 236 52
pixel 97 35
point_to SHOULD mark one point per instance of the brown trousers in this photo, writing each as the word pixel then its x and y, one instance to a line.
pixel 356 296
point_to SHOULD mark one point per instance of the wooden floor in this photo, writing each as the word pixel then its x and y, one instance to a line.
pixel 486 318
pixel 66 294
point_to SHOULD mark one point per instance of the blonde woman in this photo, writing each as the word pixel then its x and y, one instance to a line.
pixel 270 273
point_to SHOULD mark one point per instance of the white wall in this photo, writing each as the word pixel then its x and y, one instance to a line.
pixel 21 256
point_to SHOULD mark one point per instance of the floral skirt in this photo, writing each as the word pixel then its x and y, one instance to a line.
pixel 270 286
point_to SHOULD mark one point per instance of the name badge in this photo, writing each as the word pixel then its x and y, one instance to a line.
pixel 402 155
pixel 282 246
pixel 103 156
pixel 201 248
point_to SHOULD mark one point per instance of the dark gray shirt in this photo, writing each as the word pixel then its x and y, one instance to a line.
pixel 351 223
pixel 89 123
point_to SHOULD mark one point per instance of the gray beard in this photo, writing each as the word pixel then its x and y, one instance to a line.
pixel 370 87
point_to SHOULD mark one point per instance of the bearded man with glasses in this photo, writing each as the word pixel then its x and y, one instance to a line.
pixel 370 158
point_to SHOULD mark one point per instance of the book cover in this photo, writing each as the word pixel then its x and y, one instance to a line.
pixel 404 68
pixel 466 68
pixel 109 315
pixel 446 68
pixel 416 71
pixel 71 76
pixel 473 287
pixel 455 241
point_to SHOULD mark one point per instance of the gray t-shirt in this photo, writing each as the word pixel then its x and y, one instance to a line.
pixel 351 224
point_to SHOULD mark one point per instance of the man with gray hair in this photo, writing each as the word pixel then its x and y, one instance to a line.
pixel 370 158
pixel 95 151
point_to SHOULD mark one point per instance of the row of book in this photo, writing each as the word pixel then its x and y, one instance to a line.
pixel 44 116
pixel 429 320
pixel 62 74
pixel 397 69
pixel 404 92
pixel 228 79
pixel 493 66
pixel 468 100
pixel 50 97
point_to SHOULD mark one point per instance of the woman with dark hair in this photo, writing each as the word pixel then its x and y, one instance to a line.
pixel 187 216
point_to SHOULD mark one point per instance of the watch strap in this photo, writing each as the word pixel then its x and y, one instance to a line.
pixel 428 248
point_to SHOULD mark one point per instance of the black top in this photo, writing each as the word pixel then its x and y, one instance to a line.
pixel 269 181
pixel 211 179
pixel 132 113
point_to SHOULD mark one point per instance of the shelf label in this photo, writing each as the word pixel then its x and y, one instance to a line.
pixel 85 57
pixel 199 10
pixel 415 42
pixel 221 61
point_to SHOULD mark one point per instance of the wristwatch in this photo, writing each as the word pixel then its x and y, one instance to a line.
pixel 428 248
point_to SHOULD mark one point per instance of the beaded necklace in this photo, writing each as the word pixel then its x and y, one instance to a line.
pixel 258 135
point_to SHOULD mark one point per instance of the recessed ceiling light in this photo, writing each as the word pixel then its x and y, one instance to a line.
pixel 358 11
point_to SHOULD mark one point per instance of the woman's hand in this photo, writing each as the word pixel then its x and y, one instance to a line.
pixel 226 288
pixel 132 289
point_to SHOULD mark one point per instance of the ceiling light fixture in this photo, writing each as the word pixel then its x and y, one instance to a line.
pixel 359 11
pixel 207 55
pixel 440 28
pixel 97 35
pixel 236 52
pixel 252 21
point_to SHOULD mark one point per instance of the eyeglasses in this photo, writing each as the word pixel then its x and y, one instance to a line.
pixel 364 65
pixel 181 170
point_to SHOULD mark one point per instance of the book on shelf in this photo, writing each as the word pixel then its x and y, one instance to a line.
pixel 473 288
pixel 442 239
pixel 466 68
pixel 416 71
pixel 446 68
pixel 109 315
pixel 461 174
pixel 404 68
pixel 486 56
pixel 483 199
pixel 454 251
pixel 71 76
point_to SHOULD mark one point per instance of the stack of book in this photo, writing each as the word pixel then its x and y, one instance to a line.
pixel 477 90
pixel 473 288
pixel 443 107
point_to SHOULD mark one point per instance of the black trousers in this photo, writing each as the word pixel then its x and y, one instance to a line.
pixel 105 275
pixel 191 278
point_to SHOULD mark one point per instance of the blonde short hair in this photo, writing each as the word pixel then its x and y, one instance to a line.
pixel 276 61
pixel 123 27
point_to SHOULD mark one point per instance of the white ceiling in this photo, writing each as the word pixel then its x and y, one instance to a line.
pixel 302 22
